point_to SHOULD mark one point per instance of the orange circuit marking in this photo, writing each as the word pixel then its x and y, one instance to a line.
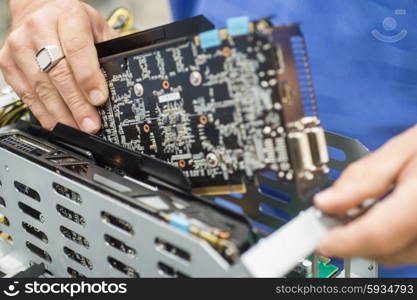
pixel 203 120
pixel 182 163
pixel 165 84
pixel 146 128
pixel 226 52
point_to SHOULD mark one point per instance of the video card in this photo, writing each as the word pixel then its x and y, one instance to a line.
pixel 222 105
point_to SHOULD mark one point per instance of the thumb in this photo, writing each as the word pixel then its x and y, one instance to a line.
pixel 370 177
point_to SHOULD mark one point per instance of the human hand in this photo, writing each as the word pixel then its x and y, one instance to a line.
pixel 69 92
pixel 388 231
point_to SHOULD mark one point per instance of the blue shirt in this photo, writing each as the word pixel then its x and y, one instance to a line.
pixel 363 55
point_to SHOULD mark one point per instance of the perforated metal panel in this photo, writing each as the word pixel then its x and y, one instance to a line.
pixel 203 261
pixel 84 222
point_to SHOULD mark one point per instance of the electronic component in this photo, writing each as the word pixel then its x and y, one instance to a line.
pixel 305 269
pixel 222 105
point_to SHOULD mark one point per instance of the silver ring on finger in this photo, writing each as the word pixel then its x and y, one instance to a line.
pixel 48 57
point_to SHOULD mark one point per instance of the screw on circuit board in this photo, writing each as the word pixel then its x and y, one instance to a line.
pixel 289 176
pixel 195 78
pixel 267 130
pixel 277 106
pixel 212 159
pixel 138 89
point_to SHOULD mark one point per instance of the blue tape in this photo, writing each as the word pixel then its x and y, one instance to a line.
pixel 179 222
pixel 238 26
pixel 210 39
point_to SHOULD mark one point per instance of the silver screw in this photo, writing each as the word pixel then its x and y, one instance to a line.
pixel 267 130
pixel 195 78
pixel 277 106
pixel 212 159
pixel 138 89
pixel 6 167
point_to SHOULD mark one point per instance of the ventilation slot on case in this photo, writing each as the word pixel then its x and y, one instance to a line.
pixel 117 222
pixel 125 269
pixel 2 202
pixel 119 245
pixel 169 271
pixel 77 257
pixel 38 251
pixel 171 249
pixel 75 237
pixel 67 193
pixel 74 273
pixel 31 212
pixel 25 190
pixel 70 215
pixel 32 230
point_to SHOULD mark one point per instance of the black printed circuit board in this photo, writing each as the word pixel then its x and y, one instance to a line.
pixel 217 104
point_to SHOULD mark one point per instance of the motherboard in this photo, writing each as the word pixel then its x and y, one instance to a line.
pixel 221 105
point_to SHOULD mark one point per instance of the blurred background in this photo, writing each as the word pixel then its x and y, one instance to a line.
pixel 147 14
